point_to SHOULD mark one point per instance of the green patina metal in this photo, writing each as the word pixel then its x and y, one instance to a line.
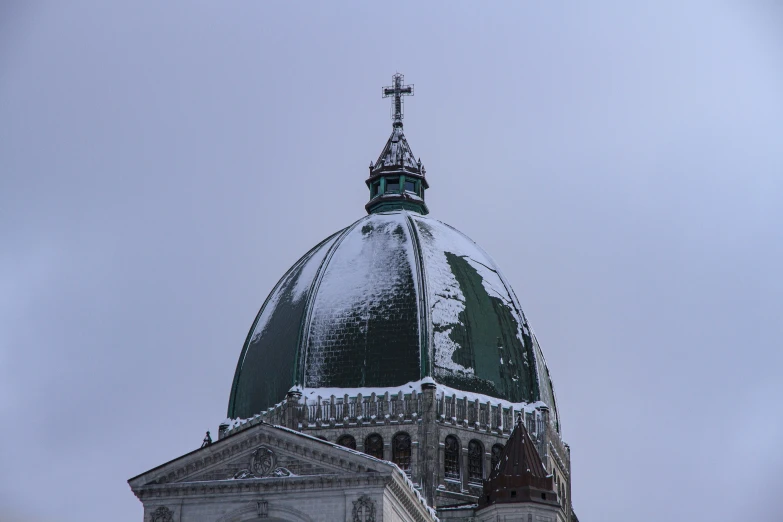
pixel 375 326
pixel 488 338
pixel 388 206
pixel 275 348
pixel 425 366
pixel 397 163
pixel 368 346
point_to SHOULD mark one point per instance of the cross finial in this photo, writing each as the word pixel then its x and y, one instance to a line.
pixel 398 90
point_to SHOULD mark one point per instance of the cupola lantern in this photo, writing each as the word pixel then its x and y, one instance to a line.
pixel 397 179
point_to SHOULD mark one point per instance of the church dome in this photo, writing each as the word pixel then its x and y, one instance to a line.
pixel 395 298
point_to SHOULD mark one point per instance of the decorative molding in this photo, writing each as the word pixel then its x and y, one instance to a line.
pixel 262 508
pixel 223 451
pixel 563 468
pixel 364 509
pixel 254 510
pixel 267 485
pixel 162 514
pixel 262 464
pixel 412 507
pixel 262 461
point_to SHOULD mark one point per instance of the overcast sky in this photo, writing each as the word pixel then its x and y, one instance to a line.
pixel 162 164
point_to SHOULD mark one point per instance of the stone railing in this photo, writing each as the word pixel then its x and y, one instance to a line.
pixel 324 412
pixel 485 416
pixel 370 409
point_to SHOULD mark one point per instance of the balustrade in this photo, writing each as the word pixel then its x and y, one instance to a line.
pixel 401 408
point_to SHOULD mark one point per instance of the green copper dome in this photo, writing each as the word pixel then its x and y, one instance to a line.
pixel 393 298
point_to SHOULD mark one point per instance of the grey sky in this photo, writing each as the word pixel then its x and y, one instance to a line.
pixel 162 165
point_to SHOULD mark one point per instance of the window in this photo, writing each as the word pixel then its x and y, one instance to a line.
pixel 497 449
pixel 393 186
pixel 410 186
pixel 475 461
pixel 451 462
pixel 401 451
pixel 347 441
pixel 373 446
pixel 375 189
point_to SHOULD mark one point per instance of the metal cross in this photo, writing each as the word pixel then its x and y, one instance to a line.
pixel 398 90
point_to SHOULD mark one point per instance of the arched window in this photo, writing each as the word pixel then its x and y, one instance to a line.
pixel 451 462
pixel 497 449
pixel 347 441
pixel 373 446
pixel 401 451
pixel 475 461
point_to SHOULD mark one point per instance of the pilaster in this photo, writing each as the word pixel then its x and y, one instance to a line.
pixel 428 449
pixel 292 410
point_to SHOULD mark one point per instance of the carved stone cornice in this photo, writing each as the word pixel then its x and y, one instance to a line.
pixel 264 485
pixel 414 508
pixel 565 469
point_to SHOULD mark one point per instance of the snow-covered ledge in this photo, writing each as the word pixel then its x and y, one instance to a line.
pixel 315 408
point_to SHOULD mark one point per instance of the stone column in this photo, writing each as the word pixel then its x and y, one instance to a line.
pixel 292 410
pixel 464 465
pixel 428 448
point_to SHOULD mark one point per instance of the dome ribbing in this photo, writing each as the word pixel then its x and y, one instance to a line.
pixel 393 298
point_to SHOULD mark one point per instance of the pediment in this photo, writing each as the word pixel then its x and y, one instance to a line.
pixel 263 452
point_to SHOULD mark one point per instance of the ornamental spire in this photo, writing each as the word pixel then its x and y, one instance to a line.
pixel 398 90
pixel 519 476
pixel 396 179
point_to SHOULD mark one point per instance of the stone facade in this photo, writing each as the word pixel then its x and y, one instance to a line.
pixel 271 473
pixel 428 417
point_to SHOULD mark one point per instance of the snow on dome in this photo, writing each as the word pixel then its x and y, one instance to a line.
pixel 396 297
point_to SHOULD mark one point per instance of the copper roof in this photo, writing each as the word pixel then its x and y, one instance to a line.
pixel 520 456
pixel 520 475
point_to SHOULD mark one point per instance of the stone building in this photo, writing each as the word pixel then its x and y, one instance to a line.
pixel 381 380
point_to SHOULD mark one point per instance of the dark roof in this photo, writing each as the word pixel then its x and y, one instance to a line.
pixel 520 475
pixel 519 457
pixel 397 153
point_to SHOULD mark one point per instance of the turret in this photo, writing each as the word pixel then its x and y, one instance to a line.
pixel 397 178
pixel 519 485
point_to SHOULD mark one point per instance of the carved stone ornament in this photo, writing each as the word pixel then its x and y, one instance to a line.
pixel 363 509
pixel 262 464
pixel 162 514
pixel 262 461
pixel 262 508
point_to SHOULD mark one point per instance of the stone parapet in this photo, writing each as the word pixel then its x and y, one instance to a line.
pixel 346 410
